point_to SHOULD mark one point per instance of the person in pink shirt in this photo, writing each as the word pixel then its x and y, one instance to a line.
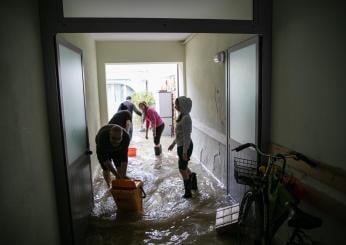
pixel 153 119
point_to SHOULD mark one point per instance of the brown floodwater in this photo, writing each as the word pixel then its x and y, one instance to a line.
pixel 167 218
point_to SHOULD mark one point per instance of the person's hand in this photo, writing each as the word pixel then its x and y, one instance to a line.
pixel 107 177
pixel 118 176
pixel 185 157
pixel 171 147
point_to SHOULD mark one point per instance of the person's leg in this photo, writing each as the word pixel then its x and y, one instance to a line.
pixel 187 171
pixel 192 175
pixel 187 182
pixel 193 180
pixel 184 173
pixel 159 131
pixel 131 131
pixel 183 169
pixel 156 143
pixel 162 127
pixel 157 138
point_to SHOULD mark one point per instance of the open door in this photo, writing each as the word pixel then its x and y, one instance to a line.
pixel 75 134
pixel 242 105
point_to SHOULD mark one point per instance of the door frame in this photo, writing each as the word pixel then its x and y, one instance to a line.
pixel 84 157
pixel 259 113
pixel 53 22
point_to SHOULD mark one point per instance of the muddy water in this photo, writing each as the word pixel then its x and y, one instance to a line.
pixel 168 218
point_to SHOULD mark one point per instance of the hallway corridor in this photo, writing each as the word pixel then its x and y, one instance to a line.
pixel 167 218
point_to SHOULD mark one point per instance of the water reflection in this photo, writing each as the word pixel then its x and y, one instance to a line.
pixel 168 218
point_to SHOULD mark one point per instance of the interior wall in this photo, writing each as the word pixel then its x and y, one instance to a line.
pixel 87 44
pixel 309 94
pixel 206 86
pixel 132 52
pixel 28 207
pixel 309 70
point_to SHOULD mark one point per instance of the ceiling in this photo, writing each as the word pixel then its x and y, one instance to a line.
pixel 177 9
pixel 140 36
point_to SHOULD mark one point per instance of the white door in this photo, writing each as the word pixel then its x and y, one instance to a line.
pixel 77 158
pixel 242 108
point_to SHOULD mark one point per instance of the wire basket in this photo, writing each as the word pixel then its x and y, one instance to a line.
pixel 245 170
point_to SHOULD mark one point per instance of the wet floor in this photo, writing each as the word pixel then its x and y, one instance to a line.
pixel 167 218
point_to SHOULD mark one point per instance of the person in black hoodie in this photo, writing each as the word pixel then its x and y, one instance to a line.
pixel 128 105
pixel 124 119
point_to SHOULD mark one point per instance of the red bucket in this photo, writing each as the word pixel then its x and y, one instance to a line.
pixel 132 152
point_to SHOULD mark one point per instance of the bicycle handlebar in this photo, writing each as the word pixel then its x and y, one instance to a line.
pixel 292 154
pixel 243 146
pixel 300 156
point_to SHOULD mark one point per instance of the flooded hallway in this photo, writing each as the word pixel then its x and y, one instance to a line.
pixel 270 72
pixel 167 217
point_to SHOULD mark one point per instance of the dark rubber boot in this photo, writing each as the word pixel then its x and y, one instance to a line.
pixel 193 179
pixel 157 151
pixel 187 185
pixel 160 149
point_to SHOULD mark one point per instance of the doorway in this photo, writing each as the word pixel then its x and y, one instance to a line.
pixel 53 21
pixel 75 134
pixel 142 81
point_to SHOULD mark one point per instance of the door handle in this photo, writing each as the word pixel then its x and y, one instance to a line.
pixel 88 152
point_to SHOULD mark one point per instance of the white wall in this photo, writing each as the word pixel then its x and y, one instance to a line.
pixel 132 52
pixel 206 86
pixel 88 46
pixel 309 94
pixel 28 207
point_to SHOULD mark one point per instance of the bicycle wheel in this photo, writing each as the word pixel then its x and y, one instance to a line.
pixel 252 219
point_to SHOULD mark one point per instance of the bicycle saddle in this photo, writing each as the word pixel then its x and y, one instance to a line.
pixel 303 220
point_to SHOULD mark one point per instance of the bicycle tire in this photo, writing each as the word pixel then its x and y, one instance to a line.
pixel 252 219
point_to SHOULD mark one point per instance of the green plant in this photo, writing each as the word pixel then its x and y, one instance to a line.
pixel 143 96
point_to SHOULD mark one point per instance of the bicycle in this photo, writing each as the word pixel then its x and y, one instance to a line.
pixel 266 205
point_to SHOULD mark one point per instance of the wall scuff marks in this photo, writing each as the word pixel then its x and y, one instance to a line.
pixel 220 112
pixel 211 153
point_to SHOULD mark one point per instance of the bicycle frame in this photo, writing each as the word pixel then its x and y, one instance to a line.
pixel 261 188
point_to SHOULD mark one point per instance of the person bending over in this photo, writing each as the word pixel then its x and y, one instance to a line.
pixel 112 143
pixel 153 119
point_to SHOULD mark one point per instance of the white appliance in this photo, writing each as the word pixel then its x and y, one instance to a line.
pixel 164 106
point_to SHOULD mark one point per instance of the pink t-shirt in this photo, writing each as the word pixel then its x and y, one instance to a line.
pixel 153 118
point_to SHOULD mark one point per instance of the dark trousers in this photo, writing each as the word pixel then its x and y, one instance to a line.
pixel 159 130
pixel 182 163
